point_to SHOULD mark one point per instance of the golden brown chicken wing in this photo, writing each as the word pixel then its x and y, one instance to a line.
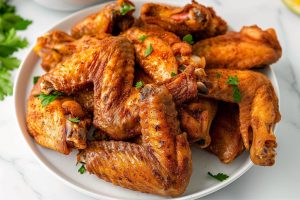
pixel 226 141
pixel 113 18
pixel 194 19
pixel 50 125
pixel 162 164
pixel 251 47
pixel 258 108
pixel 196 118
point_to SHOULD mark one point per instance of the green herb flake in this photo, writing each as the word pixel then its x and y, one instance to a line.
pixel 36 79
pixel 143 38
pixel 189 39
pixel 173 74
pixel 234 81
pixel 220 176
pixel 218 75
pixel 82 169
pixel 75 120
pixel 148 50
pixel 125 8
pixel 48 98
pixel 139 84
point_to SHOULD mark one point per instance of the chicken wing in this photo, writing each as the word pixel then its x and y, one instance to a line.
pixel 50 127
pixel 162 164
pixel 258 108
pixel 113 19
pixel 167 51
pixel 194 19
pixel 226 141
pixel 195 119
pixel 251 47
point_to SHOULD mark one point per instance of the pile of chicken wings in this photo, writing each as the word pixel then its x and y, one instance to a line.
pixel 132 94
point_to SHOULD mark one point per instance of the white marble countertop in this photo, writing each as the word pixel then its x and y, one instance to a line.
pixel 22 177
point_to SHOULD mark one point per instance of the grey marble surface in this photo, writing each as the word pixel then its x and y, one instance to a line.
pixel 23 178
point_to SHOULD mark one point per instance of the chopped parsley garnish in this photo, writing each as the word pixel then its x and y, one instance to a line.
pixel 35 79
pixel 139 84
pixel 75 120
pixel 125 8
pixel 173 74
pixel 48 98
pixel 82 169
pixel 234 81
pixel 148 50
pixel 188 38
pixel 219 176
pixel 143 38
pixel 218 75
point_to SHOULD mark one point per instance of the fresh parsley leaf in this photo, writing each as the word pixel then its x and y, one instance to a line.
pixel 5 84
pixel 188 38
pixel 75 120
pixel 125 8
pixel 82 169
pixel 148 50
pixel 10 42
pixel 36 79
pixel 143 38
pixel 219 176
pixel 48 98
pixel 234 81
pixel 9 63
pixel 173 74
pixel 5 7
pixel 236 94
pixel 218 75
pixel 139 84
pixel 10 20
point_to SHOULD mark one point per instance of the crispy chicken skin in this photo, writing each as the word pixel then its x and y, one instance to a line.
pixel 107 20
pixel 196 118
pixel 193 19
pixel 251 47
pixel 111 72
pixel 258 109
pixel 226 141
pixel 162 164
pixel 50 126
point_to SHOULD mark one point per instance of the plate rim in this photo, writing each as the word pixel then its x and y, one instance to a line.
pixel 74 186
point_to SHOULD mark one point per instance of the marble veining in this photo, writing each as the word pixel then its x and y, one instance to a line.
pixel 22 177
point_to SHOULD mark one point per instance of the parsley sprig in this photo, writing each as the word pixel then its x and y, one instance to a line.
pixel 220 176
pixel 82 169
pixel 125 8
pixel 48 98
pixel 189 39
pixel 9 43
pixel 234 81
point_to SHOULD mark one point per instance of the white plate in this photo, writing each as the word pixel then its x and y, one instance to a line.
pixel 64 167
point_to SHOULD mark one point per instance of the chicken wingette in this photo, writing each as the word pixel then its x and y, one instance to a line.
pixel 52 126
pixel 113 18
pixel 226 140
pixel 252 47
pixel 258 108
pixel 193 18
pixel 162 164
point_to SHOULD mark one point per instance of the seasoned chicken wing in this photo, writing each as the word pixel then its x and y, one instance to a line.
pixel 251 47
pixel 50 125
pixel 113 18
pixel 168 52
pixel 258 108
pixel 196 118
pixel 194 19
pixel 226 140
pixel 162 164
